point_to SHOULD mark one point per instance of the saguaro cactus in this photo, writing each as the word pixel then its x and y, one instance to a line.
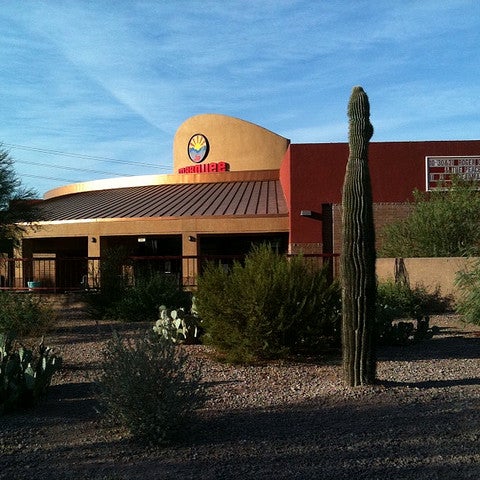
pixel 358 250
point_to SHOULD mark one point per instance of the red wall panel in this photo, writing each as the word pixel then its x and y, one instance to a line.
pixel 313 174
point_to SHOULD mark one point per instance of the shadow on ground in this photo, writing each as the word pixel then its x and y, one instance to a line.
pixel 343 440
pixel 417 430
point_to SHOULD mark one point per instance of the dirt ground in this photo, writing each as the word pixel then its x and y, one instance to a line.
pixel 283 420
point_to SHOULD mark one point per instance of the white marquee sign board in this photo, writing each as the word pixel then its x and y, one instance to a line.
pixel 439 171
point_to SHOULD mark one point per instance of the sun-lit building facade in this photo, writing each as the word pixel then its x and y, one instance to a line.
pixel 233 184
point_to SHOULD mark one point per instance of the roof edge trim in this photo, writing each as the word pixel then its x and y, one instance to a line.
pixel 146 180
pixel 151 219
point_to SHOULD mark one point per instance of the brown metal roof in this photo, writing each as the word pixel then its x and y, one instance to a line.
pixel 173 200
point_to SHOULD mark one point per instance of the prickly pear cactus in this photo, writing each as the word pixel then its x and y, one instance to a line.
pixel 358 250
pixel 177 325
pixel 24 375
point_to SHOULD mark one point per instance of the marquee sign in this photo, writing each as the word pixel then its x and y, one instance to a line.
pixel 440 170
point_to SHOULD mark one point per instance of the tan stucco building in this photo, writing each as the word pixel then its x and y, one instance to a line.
pixel 233 184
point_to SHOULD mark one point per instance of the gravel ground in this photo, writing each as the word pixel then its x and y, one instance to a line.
pixel 282 420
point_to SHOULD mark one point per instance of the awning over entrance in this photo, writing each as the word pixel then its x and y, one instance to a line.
pixel 260 197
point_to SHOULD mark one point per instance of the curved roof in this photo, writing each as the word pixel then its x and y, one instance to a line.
pixel 243 145
pixel 238 198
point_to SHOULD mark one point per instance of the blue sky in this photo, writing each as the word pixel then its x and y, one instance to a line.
pixel 108 82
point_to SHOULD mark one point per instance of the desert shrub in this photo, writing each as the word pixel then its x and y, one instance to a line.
pixel 141 301
pixel 396 301
pixel 124 297
pixel 442 223
pixel 399 300
pixel 148 387
pixel 25 374
pixel 113 283
pixel 468 303
pixel 24 315
pixel 268 307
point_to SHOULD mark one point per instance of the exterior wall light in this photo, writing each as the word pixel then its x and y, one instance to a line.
pixel 311 214
pixel 191 238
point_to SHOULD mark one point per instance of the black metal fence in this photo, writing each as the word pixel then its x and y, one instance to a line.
pixel 52 274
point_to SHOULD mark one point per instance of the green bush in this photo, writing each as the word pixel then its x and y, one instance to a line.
pixel 396 301
pixel 268 307
pixel 24 315
pixel 468 303
pixel 123 296
pixel 141 301
pixel 25 374
pixel 442 223
pixel 113 283
pixel 148 387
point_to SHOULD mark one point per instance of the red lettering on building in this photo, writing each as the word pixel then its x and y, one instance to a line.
pixel 212 167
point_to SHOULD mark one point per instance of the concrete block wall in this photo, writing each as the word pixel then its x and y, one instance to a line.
pixel 431 273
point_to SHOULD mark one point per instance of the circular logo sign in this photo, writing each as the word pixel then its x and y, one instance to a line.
pixel 198 148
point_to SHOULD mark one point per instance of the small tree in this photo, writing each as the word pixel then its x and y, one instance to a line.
pixel 442 223
pixel 18 209
pixel 268 307
pixel 358 250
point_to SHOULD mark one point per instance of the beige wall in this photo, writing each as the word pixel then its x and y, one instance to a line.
pixel 252 152
pixel 160 226
pixel 432 273
pixel 243 145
